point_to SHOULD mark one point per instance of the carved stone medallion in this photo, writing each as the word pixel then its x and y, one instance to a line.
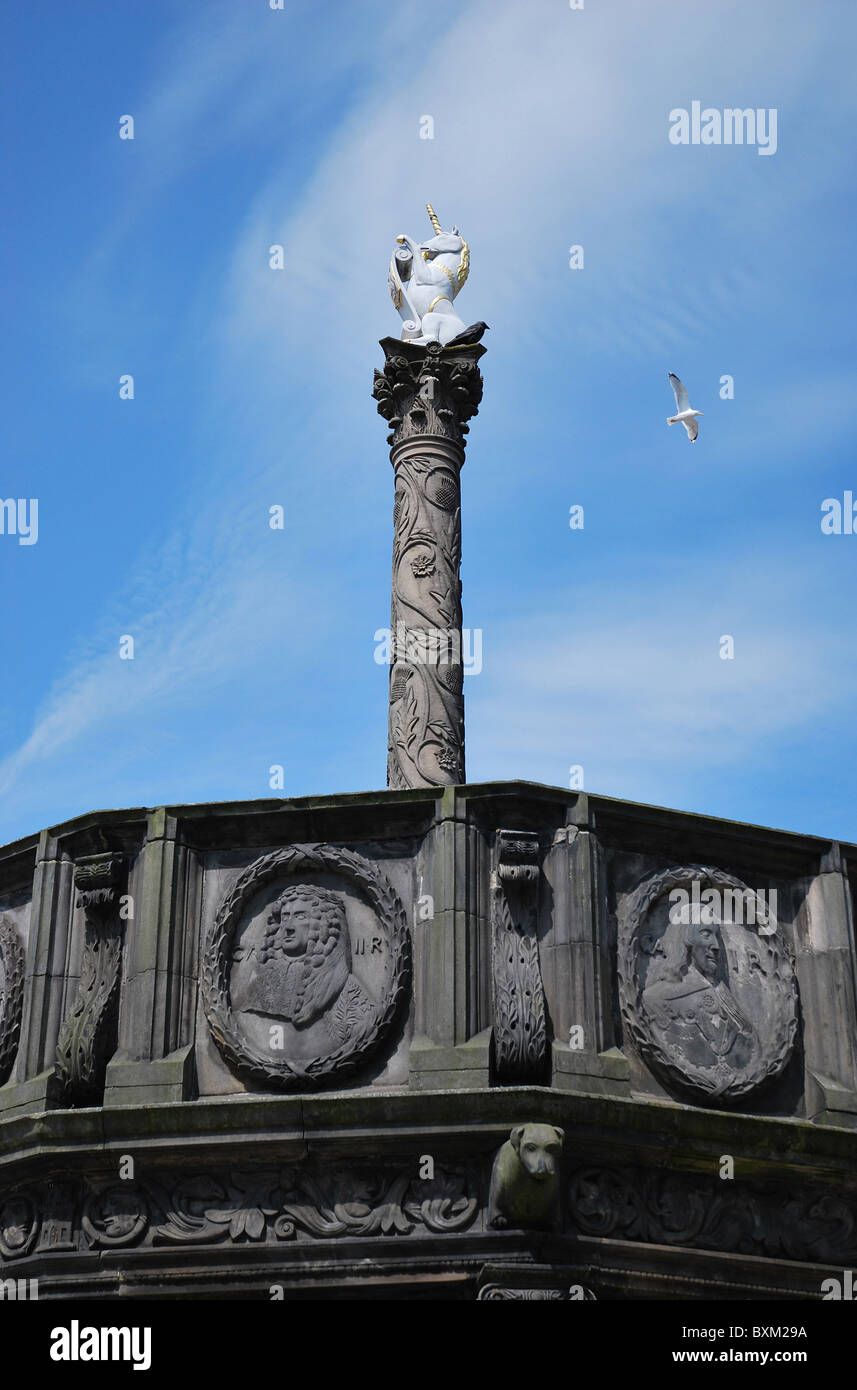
pixel 11 995
pixel 306 967
pixel 706 984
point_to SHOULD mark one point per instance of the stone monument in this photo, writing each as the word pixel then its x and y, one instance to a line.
pixel 444 1040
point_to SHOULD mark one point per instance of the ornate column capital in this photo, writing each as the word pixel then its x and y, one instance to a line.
pixel 428 390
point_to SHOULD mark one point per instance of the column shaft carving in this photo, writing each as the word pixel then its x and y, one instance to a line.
pixel 427 393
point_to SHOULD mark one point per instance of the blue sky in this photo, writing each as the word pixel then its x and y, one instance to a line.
pixel 255 647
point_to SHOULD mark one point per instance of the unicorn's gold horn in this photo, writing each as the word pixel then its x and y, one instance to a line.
pixel 434 222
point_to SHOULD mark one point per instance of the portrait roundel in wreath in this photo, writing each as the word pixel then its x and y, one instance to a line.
pixel 306 967
pixel 706 983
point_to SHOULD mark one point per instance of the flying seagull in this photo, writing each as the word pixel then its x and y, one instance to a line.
pixel 685 413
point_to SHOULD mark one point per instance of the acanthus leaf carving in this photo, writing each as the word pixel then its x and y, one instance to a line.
pixel 87 1038
pixel 255 1206
pixel 520 1023
pixel 11 995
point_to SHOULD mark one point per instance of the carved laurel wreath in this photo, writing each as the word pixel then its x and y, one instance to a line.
pixel 773 1059
pixel 247 1059
pixel 11 996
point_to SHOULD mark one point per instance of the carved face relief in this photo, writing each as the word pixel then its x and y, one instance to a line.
pixel 708 997
pixel 300 972
pixel 306 966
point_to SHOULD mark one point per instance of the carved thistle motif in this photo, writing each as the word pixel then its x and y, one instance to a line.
pixel 263 1207
pixel 427 393
pixel 520 1031
pixel 87 1038
pixel 706 984
pixel 306 967
pixel 11 995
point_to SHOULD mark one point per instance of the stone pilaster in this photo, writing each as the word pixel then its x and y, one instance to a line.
pixel 154 1060
pixel 427 394
pixel 825 949
pixel 577 962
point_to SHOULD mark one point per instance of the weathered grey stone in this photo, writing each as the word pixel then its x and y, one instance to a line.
pixel 87 1038
pixel 291 999
pixel 388 1167
pixel 708 1000
pixel 520 1025
pixel 525 1178
pixel 427 393
pixel 825 965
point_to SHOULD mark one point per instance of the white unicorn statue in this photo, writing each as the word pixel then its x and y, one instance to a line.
pixel 424 280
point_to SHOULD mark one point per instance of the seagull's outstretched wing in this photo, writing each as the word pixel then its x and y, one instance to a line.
pixel 682 399
pixel 692 429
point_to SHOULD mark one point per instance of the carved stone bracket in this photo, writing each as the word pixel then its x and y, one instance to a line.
pixel 427 393
pixel 87 1038
pixel 520 1028
pixel 11 995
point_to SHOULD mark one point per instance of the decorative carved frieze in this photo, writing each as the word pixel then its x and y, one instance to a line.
pixel 493 1292
pixel 706 984
pixel 518 1294
pixel 780 1220
pixel 87 1038
pixel 11 995
pixel 264 1207
pixel 520 1029
pixel 306 968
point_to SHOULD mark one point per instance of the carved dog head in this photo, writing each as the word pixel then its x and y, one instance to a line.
pixel 538 1147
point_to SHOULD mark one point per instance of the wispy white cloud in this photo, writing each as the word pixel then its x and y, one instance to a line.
pixel 634 689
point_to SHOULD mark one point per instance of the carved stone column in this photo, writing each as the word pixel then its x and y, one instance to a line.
pixel 427 393
pixel 87 1038
pixel 520 1027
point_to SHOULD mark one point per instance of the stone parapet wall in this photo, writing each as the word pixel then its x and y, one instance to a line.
pixel 344 1006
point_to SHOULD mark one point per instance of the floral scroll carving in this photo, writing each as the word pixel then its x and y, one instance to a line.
pixel 255 1207
pixel 664 1208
